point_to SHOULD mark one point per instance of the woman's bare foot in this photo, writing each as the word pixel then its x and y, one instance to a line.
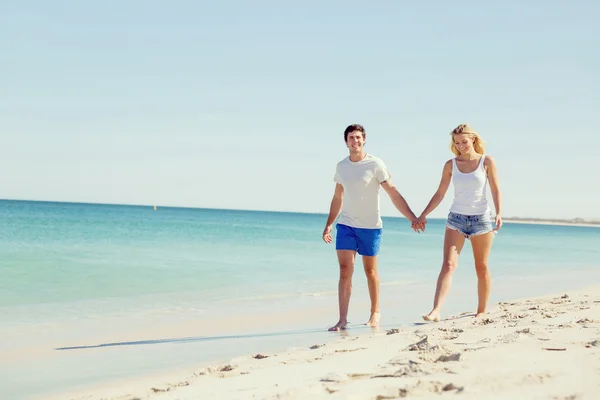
pixel 480 314
pixel 341 325
pixel 432 316
pixel 374 319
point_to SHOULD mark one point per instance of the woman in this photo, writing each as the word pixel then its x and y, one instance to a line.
pixel 469 217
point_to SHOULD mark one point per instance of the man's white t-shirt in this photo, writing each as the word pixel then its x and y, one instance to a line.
pixel 361 181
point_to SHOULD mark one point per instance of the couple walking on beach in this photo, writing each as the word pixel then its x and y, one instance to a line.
pixel 359 227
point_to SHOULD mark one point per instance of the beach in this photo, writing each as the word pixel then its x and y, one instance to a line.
pixel 124 302
pixel 536 348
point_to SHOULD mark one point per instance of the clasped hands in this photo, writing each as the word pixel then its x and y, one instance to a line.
pixel 418 224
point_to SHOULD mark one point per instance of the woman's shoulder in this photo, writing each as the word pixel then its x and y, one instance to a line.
pixel 448 165
pixel 488 160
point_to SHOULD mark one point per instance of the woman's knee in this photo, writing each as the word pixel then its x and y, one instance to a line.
pixel 481 268
pixel 449 266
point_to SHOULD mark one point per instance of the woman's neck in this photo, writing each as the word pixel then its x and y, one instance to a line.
pixel 472 155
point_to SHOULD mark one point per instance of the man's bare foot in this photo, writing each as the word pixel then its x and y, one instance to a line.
pixel 374 319
pixel 341 325
pixel 480 314
pixel 435 317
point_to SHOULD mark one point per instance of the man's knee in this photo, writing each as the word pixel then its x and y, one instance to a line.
pixel 370 266
pixel 346 270
pixel 371 273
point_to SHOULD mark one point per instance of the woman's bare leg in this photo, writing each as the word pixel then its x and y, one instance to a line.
pixel 482 245
pixel 453 244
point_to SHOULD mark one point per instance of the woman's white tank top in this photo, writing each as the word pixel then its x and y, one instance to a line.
pixel 470 194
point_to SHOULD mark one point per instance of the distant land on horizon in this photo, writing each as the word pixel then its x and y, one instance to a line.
pixel 570 221
pixel 528 220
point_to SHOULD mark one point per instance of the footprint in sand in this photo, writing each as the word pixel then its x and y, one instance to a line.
pixel 423 387
pixel 170 387
pixel 515 336
pixel 512 317
pixel 410 369
pixel 586 321
pixel 212 369
pixel 448 357
pixel 336 377
pixel 350 350
pixel 422 344
pixel 453 330
pixel 537 378
pixel 567 325
pixel 400 360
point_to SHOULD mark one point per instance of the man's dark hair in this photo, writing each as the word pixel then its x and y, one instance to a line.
pixel 352 128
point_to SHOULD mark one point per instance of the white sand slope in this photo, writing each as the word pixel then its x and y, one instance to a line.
pixel 545 348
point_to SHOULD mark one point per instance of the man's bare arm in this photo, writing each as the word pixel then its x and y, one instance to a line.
pixel 336 204
pixel 334 210
pixel 398 201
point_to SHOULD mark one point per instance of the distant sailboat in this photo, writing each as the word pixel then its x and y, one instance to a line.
pixel 155 207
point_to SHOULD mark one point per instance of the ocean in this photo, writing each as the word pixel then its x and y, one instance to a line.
pixel 92 293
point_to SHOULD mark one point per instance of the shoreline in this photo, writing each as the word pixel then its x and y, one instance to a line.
pixel 517 220
pixel 542 346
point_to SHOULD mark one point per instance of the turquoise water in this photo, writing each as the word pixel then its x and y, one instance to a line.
pixel 57 253
pixel 73 269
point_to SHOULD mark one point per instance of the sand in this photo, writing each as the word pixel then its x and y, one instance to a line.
pixel 542 348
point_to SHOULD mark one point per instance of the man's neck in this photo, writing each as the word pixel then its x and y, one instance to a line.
pixel 354 157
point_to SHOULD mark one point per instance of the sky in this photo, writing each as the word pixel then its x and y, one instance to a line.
pixel 236 104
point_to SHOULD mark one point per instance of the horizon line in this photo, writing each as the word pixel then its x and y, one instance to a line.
pixel 516 218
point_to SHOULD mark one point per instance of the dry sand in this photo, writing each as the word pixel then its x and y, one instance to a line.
pixel 546 348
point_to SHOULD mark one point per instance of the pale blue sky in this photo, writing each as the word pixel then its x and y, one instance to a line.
pixel 232 105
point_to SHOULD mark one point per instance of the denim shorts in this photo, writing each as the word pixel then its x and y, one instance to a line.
pixel 365 241
pixel 470 225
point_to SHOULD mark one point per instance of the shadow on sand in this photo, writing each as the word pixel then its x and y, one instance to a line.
pixel 197 339
pixel 193 339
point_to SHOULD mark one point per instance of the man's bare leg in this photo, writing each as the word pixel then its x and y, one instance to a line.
pixel 482 245
pixel 453 244
pixel 346 261
pixel 370 265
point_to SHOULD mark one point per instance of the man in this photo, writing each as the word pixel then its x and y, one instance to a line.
pixel 359 228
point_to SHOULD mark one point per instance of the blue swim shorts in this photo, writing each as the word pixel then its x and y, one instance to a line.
pixel 470 225
pixel 365 241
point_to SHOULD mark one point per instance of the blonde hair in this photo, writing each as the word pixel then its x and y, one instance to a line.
pixel 478 143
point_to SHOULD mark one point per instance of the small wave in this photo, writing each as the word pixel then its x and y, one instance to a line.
pixel 319 294
pixel 399 283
